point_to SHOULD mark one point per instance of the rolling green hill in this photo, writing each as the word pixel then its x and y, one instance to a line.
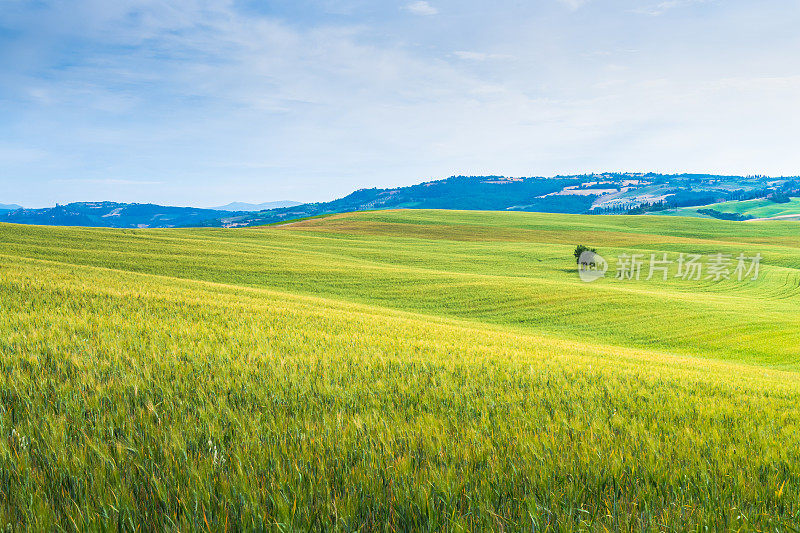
pixel 761 208
pixel 398 370
pixel 758 208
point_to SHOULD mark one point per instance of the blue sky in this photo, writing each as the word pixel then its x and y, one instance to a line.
pixel 193 102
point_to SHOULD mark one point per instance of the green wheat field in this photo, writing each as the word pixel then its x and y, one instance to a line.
pixel 397 371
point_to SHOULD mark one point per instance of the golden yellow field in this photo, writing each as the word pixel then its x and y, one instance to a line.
pixel 408 370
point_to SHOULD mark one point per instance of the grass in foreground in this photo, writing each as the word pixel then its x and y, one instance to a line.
pixel 186 380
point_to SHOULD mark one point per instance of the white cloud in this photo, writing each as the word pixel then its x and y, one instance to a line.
pixel 574 4
pixel 221 105
pixel 422 8
pixel 479 56
pixel 662 7
pixel 108 181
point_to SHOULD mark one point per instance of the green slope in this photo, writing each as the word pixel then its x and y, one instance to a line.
pixel 759 208
pixel 506 269
pixel 417 370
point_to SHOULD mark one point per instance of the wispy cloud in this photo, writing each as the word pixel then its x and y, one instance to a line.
pixel 108 181
pixel 422 8
pixel 479 56
pixel 662 7
pixel 204 101
pixel 574 4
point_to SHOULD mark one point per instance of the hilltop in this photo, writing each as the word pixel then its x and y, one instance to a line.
pixel 9 207
pixel 244 206
pixel 612 192
pixel 116 215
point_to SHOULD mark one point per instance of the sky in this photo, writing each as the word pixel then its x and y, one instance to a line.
pixel 205 102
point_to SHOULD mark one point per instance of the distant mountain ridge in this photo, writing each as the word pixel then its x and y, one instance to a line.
pixel 116 215
pixel 610 192
pixel 458 192
pixel 244 206
pixel 614 192
pixel 9 207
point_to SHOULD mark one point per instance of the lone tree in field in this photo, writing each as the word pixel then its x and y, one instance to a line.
pixel 579 250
